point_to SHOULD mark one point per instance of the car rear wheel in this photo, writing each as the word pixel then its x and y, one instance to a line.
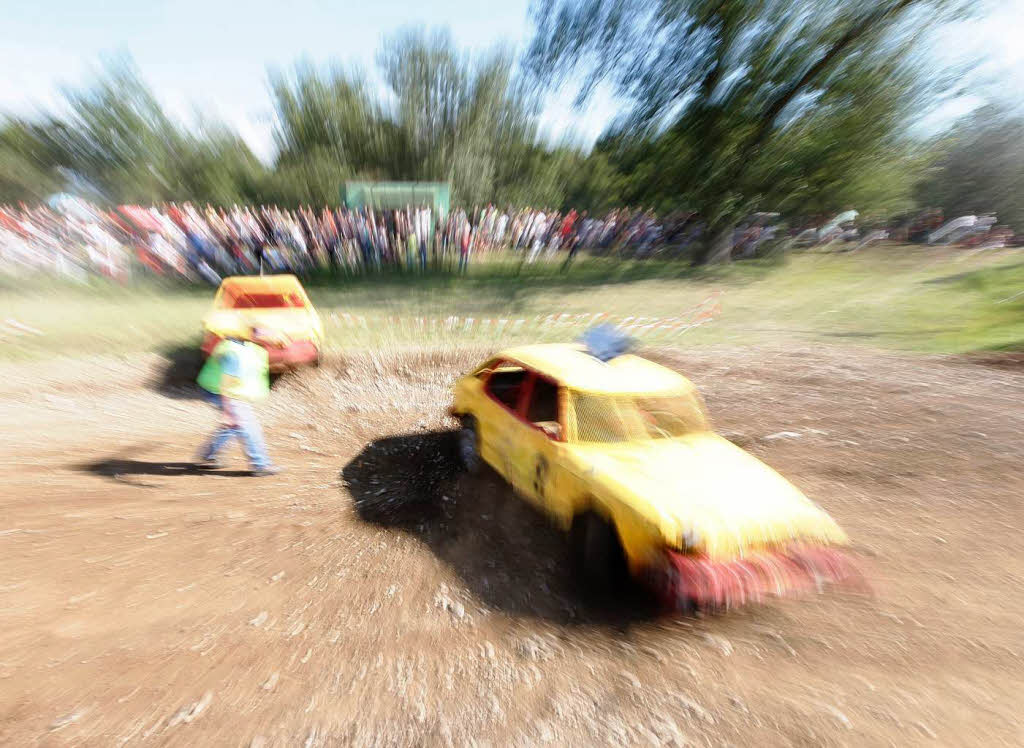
pixel 598 555
pixel 467 445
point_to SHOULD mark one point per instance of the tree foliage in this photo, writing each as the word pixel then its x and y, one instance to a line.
pixel 28 170
pixel 117 145
pixel 329 127
pixel 444 116
pixel 979 168
pixel 120 138
pixel 732 106
pixel 737 105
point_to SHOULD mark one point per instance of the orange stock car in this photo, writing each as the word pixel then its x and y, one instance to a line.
pixel 278 305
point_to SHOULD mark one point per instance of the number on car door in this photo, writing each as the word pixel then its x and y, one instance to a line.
pixel 540 435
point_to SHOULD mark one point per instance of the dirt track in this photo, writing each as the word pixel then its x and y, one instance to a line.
pixel 369 596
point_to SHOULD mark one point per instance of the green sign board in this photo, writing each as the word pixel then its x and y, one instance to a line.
pixel 394 195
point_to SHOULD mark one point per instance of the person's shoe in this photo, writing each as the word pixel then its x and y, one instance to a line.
pixel 209 465
pixel 263 472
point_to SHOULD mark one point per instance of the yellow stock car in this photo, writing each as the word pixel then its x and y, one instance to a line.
pixel 278 304
pixel 619 452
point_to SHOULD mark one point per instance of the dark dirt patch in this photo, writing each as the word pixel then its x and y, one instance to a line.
pixel 1009 360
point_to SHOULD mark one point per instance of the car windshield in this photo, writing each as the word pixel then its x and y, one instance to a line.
pixel 237 299
pixel 606 418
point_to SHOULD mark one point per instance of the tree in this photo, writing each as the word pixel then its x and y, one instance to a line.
pixel 29 170
pixel 742 104
pixel 979 168
pixel 118 138
pixel 216 166
pixel 117 145
pixel 460 118
pixel 328 128
pixel 445 116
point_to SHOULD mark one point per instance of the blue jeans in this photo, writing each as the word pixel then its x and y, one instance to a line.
pixel 247 431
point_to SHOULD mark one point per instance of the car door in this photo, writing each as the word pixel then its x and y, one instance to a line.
pixel 536 459
pixel 498 424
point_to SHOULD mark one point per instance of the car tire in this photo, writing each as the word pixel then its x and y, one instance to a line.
pixel 597 552
pixel 662 584
pixel 467 445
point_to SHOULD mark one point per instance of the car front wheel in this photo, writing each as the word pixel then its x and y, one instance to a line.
pixel 599 559
pixel 467 446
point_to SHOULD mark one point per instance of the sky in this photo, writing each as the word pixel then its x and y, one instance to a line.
pixel 213 55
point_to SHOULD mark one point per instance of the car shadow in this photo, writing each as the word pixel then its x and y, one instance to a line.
pixel 117 468
pixel 503 550
pixel 177 376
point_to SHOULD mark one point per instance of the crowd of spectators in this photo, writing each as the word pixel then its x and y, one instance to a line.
pixel 75 238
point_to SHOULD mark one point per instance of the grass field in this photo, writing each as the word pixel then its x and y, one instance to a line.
pixel 911 298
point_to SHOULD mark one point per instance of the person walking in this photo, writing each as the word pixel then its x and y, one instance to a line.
pixel 465 246
pixel 236 375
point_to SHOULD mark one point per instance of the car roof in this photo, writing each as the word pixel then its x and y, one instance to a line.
pixel 248 283
pixel 573 367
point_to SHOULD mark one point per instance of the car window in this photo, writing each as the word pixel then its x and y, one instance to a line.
pixel 617 419
pixel 542 410
pixel 543 404
pixel 242 300
pixel 599 419
pixel 672 416
pixel 505 384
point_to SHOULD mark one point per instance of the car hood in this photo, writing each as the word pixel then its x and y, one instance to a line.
pixel 298 324
pixel 709 495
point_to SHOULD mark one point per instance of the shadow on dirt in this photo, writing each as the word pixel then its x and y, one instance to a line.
pixel 504 551
pixel 116 468
pixel 177 379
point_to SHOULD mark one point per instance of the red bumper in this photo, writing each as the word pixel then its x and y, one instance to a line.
pixel 300 353
pixel 686 582
pixel 297 353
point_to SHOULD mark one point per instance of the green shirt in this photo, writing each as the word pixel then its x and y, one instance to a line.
pixel 246 364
